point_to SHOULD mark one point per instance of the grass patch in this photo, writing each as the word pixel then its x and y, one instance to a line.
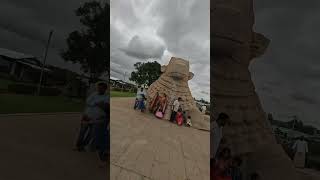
pixel 4 83
pixel 122 94
pixel 13 103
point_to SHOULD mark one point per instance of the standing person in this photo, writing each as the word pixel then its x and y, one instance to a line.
pixel 219 168
pixel 102 136
pixel 179 117
pixel 216 132
pixel 235 171
pixel 153 103
pixel 204 109
pixel 301 148
pixel 94 112
pixel 141 103
pixel 175 108
pixel 161 106
pixel 140 91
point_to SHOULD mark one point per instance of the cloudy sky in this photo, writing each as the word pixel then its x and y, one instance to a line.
pixel 141 30
pixel 287 76
pixel 25 25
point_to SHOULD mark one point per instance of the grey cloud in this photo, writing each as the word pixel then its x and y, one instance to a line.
pixel 286 76
pixel 185 28
pixel 143 48
pixel 25 25
pixel 161 29
pixel 303 98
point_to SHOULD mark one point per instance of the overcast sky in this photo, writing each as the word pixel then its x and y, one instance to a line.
pixel 158 29
pixel 25 26
pixel 287 76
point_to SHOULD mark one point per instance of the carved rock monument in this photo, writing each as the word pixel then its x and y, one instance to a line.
pixel 234 45
pixel 174 83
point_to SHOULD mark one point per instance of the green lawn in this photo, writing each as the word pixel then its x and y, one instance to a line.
pixel 13 103
pixel 122 94
pixel 4 83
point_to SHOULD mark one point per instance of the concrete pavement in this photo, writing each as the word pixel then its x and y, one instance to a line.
pixel 143 147
pixel 39 146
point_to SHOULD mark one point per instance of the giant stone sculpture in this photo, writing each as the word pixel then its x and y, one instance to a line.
pixel 234 45
pixel 174 83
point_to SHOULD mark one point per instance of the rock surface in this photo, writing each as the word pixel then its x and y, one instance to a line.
pixel 146 148
pixel 234 45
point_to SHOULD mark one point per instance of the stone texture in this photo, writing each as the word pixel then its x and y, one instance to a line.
pixel 234 45
pixel 146 147
pixel 39 146
pixel 174 83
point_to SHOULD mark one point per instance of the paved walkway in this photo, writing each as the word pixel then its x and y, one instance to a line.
pixel 309 174
pixel 143 147
pixel 39 147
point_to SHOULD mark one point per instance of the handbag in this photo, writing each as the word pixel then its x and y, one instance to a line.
pixel 159 114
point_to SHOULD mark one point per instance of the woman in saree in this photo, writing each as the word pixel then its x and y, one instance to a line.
pixel 153 103
pixel 161 105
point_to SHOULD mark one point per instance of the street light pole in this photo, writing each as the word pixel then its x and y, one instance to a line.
pixel 44 61
pixel 124 76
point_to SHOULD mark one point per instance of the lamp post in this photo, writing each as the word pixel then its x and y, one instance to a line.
pixel 44 61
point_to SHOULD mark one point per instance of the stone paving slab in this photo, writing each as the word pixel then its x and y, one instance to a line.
pixel 40 146
pixel 153 148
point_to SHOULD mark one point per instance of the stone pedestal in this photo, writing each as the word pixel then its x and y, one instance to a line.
pixel 233 46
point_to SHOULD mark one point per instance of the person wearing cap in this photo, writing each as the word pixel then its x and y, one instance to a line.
pixel 95 113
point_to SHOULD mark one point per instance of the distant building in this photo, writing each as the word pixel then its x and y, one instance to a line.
pixel 118 84
pixel 20 66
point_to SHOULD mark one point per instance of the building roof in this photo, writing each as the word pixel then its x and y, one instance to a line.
pixel 114 78
pixel 13 54
pixel 35 66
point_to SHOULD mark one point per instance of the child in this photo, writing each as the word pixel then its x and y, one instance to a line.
pixel 189 124
pixel 235 171
pixel 179 117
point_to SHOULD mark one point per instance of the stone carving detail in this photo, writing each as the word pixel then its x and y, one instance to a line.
pixel 174 83
pixel 233 46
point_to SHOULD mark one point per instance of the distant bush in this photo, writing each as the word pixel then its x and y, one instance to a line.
pixel 31 89
pixel 123 90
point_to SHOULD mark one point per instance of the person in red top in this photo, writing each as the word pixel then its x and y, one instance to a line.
pixel 219 169
pixel 179 117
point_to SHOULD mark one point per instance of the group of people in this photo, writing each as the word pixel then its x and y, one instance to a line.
pixel 178 115
pixel 223 165
pixel 141 98
pixel 158 106
pixel 94 128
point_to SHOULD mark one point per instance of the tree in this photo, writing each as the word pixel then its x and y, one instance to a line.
pixel 89 45
pixel 146 73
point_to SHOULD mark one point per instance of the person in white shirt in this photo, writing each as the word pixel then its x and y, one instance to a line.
pixel 95 113
pixel 139 97
pixel 301 148
pixel 216 133
pixel 175 108
pixel 204 108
